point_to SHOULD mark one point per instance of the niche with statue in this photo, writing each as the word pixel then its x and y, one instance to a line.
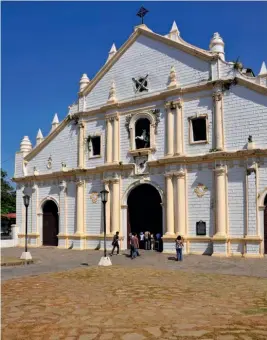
pixel 142 133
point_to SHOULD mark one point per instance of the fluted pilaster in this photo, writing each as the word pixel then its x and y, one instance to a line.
pixel 169 204
pixel 218 97
pixel 169 131
pixel 80 207
pixel 220 179
pixel 180 202
pixel 81 146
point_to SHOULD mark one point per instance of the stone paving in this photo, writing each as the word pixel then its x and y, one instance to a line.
pixel 53 260
pixel 134 304
pixel 151 297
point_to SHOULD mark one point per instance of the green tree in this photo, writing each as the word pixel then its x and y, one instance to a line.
pixel 8 195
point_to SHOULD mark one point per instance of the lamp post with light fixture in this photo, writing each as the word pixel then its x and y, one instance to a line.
pixel 105 260
pixel 26 255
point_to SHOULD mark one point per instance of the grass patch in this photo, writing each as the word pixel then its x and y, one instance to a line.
pixel 260 310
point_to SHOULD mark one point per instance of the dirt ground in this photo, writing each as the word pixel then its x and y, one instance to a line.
pixel 134 304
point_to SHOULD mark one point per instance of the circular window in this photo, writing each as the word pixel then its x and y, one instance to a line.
pixel 141 85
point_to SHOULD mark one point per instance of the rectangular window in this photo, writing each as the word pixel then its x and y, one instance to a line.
pixel 199 129
pixel 96 146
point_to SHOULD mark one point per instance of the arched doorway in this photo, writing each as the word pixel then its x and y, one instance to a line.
pixel 144 210
pixel 50 223
pixel 265 225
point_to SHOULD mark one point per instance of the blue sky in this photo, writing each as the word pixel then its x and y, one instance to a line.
pixel 46 46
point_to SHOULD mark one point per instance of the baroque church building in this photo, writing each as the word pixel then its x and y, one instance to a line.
pixel 175 133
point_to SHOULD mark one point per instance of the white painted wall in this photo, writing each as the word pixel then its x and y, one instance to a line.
pixel 63 148
pixel 236 204
pixel 245 113
pixel 200 208
pixel 147 56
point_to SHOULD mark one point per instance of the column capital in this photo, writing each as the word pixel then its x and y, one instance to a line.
pixel 177 103
pixel 180 173
pixel 168 174
pixel 167 105
pixel 79 182
pixel 114 180
pixel 217 96
pixel 81 124
pixel 220 170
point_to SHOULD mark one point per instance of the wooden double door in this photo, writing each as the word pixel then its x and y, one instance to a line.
pixel 50 224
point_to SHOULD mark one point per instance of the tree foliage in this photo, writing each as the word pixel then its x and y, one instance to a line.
pixel 8 195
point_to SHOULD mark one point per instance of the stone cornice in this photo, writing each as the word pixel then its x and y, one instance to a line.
pixel 207 158
pixel 75 172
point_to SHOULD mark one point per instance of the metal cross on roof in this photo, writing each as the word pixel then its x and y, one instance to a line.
pixel 141 13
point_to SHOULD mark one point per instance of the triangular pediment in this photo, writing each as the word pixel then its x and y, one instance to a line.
pixel 147 53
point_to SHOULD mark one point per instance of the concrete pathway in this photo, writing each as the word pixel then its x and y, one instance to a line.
pixel 55 260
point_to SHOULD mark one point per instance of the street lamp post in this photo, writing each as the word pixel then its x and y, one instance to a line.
pixel 26 255
pixel 105 260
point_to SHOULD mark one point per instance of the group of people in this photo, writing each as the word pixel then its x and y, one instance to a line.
pixel 147 241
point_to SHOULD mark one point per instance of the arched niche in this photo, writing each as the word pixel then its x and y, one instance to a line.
pixel 144 119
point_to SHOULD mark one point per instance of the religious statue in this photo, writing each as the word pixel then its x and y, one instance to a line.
pixel 144 138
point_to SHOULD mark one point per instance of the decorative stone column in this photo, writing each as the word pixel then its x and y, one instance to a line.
pixel 179 142
pixel 180 202
pixel 107 187
pixel 217 97
pixel 109 140
pixel 221 211
pixel 115 217
pixel 81 146
pixel 80 207
pixel 169 205
pixel 116 139
pixel 169 131
pixel 34 220
pixel 62 206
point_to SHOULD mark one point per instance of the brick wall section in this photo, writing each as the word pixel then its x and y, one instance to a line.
pixel 245 113
pixel 236 201
pixel 146 56
pixel 200 208
pixel 63 148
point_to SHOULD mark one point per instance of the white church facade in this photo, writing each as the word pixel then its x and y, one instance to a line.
pixel 175 133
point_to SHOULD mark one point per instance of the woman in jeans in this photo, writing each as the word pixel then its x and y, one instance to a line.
pixel 179 248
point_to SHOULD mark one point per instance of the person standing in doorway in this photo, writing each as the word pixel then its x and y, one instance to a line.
pixel 179 248
pixel 147 240
pixel 115 244
pixel 135 246
pixel 142 240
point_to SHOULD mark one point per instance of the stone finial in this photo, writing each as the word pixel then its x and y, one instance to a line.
pixel 173 81
pixel 217 45
pixel 39 137
pixel 55 122
pixel 25 145
pixel 174 33
pixel 263 70
pixel 112 94
pixel 84 81
pixel 112 52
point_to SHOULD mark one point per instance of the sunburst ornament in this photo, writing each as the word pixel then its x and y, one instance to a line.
pixel 94 197
pixel 200 190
